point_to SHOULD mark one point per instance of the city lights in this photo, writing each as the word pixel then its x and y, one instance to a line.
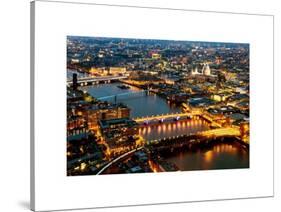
pixel 139 106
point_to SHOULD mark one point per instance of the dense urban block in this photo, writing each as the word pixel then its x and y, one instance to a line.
pixel 143 105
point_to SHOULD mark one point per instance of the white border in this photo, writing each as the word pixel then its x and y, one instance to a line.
pixel 54 21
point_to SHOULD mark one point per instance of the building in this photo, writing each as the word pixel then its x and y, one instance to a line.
pixel 205 72
pixel 155 56
pixel 171 81
pixel 76 127
pixel 206 69
pixel 75 122
pixel 194 71
pixel 200 102
pixel 98 71
pixel 96 113
pixel 92 112
pixel 117 70
pixel 220 97
pixel 119 134
pixel 74 81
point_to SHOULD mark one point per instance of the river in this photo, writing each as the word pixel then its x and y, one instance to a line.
pixel 173 128
pixel 141 105
pixel 218 156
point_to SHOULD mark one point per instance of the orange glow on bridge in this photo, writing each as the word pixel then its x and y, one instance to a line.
pixel 221 132
pixel 165 116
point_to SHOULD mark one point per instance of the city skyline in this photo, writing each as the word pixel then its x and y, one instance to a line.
pixel 145 105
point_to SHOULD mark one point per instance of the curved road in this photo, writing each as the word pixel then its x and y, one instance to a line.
pixel 117 159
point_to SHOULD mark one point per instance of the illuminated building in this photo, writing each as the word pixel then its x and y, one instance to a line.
pixel 75 122
pixel 194 71
pixel 229 75
pixel 155 56
pixel 74 60
pixel 95 114
pixel 245 131
pixel 170 81
pixel 185 107
pixel 119 134
pixel 117 70
pixel 98 71
pixel 220 97
pixel 206 69
pixel 178 98
pixel 76 127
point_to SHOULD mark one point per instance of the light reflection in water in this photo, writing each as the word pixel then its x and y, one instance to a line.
pixel 208 156
pixel 219 156
pixel 165 130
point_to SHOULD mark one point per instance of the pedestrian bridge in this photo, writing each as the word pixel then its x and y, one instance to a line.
pixel 123 96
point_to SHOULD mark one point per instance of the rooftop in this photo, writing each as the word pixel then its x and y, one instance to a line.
pixel 117 122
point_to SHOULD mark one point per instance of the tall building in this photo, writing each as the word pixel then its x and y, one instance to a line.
pixel 74 81
pixel 206 69
pixel 194 71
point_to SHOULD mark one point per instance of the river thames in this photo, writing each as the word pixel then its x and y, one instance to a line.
pixel 140 105
pixel 217 156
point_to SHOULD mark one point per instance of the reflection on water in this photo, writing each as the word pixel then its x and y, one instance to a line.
pixel 141 105
pixel 165 130
pixel 219 156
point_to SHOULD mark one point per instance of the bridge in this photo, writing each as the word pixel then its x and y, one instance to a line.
pixel 163 117
pixel 95 80
pixel 124 95
pixel 181 140
pixel 196 138
pixel 221 132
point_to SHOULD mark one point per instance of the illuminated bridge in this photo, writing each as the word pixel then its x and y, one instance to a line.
pixel 125 95
pixel 195 138
pixel 221 132
pixel 94 80
pixel 181 141
pixel 163 117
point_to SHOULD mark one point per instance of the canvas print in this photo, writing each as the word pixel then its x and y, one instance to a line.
pixel 149 105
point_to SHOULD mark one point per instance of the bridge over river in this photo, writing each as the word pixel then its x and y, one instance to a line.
pixel 183 141
pixel 124 96
pixel 89 80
